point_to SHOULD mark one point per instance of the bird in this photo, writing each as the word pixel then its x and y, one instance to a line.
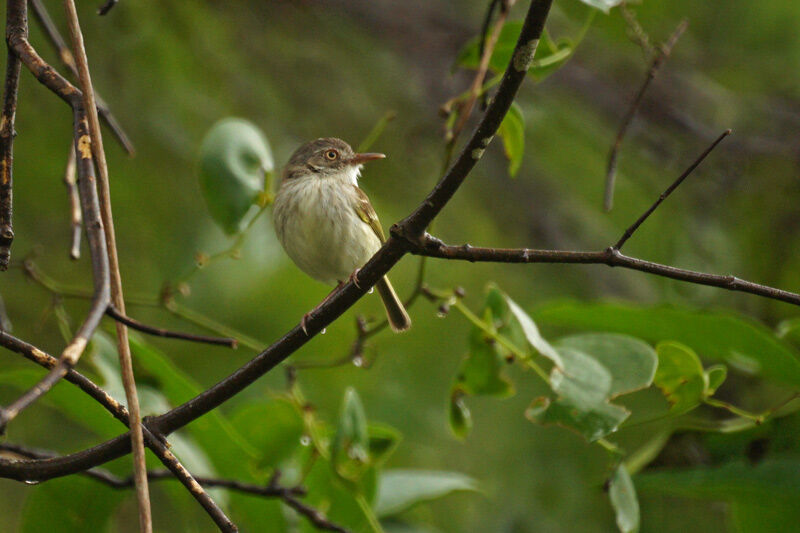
pixel 326 223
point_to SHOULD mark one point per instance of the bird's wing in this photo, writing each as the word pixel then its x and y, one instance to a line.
pixel 366 213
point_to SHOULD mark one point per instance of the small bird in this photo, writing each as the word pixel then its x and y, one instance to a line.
pixel 326 223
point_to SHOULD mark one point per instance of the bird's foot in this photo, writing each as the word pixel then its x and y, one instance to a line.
pixel 354 277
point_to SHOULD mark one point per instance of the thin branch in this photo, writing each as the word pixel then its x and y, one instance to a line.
pixel 70 181
pixel 123 346
pixel 7 155
pixel 629 232
pixel 660 58
pixel 114 313
pixel 433 247
pixel 342 299
pixel 273 489
pixel 487 49
pixel 64 53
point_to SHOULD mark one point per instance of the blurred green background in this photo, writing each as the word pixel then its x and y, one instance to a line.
pixel 301 70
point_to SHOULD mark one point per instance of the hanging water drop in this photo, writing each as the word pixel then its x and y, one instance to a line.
pixel 324 330
pixel 31 482
pixel 358 361
pixel 371 290
pixel 305 440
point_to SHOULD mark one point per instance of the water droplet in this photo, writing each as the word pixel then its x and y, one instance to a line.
pixel 440 314
pixel 358 361
pixel 305 440
pixel 31 482
pixel 324 330
pixel 371 290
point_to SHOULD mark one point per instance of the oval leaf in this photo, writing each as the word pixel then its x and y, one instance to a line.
pixel 234 158
pixel 401 489
pixel 624 501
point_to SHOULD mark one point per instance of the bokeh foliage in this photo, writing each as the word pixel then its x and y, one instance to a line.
pixel 170 73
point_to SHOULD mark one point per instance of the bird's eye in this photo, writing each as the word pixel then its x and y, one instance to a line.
pixel 331 155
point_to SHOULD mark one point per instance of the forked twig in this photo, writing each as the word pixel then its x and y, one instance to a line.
pixel 661 56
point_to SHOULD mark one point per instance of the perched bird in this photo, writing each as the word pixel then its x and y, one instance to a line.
pixel 326 223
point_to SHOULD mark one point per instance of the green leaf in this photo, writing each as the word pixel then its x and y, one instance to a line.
pixel 603 5
pixel 582 382
pixel 383 441
pixel 400 489
pixel 734 339
pixel 481 369
pixel 532 334
pixel 772 479
pixel 594 368
pixel 273 427
pixel 623 499
pixel 630 362
pixel 715 377
pixel 512 131
pixel 70 504
pixel 790 330
pixel 349 452
pixel 680 376
pixel 234 158
pixel 592 424
pixel 459 415
pixel 771 517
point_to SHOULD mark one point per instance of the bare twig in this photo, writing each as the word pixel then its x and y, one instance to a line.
pixel 114 313
pixel 70 182
pixel 633 227
pixel 661 56
pixel 7 155
pixel 64 53
pixel 123 346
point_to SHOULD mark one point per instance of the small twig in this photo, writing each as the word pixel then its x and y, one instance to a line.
pixel 7 156
pixel 465 110
pixel 662 55
pixel 64 53
pixel 633 227
pixel 106 7
pixel 74 203
pixel 636 32
pixel 95 148
pixel 114 313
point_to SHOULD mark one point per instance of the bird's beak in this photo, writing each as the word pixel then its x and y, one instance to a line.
pixel 357 159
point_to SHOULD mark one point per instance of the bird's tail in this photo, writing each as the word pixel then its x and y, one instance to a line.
pixel 398 317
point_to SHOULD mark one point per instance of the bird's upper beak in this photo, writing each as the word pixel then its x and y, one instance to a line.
pixel 357 159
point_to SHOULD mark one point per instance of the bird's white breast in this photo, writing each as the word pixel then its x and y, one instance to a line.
pixel 318 226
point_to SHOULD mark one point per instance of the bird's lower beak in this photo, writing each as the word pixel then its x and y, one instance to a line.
pixel 357 159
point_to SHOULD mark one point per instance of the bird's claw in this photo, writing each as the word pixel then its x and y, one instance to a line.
pixel 354 277
pixel 304 323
